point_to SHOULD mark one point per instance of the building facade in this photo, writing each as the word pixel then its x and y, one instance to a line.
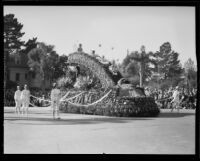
pixel 19 72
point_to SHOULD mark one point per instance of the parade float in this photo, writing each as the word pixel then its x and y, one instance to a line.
pixel 99 89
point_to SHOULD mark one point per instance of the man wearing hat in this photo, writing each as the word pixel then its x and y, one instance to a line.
pixel 17 100
pixel 175 99
pixel 55 101
pixel 25 98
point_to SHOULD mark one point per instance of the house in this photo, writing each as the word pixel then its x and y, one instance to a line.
pixel 19 72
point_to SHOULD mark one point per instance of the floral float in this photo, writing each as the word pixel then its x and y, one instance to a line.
pixel 100 91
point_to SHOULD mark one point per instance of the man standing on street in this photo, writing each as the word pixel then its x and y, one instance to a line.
pixel 55 101
pixel 17 100
pixel 175 99
pixel 25 98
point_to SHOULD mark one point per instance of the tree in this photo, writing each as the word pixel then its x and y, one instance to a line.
pixel 143 60
pixel 12 35
pixel 61 66
pixel 42 60
pixel 132 69
pixel 190 74
pixel 129 69
pixel 29 45
pixel 165 48
pixel 12 32
pixel 189 65
pixel 167 65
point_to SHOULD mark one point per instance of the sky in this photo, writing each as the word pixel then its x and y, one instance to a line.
pixel 116 28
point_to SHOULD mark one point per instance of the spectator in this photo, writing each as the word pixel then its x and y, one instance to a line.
pixel 176 99
pixel 17 100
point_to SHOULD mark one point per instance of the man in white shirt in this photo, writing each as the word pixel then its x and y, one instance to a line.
pixel 147 92
pixel 17 98
pixel 175 99
pixel 55 101
pixel 25 98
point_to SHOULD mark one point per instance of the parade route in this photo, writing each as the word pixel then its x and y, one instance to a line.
pixel 170 133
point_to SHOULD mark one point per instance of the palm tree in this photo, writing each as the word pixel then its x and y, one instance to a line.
pixel 142 58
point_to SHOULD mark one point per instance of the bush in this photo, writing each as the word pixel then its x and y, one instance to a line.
pixel 11 84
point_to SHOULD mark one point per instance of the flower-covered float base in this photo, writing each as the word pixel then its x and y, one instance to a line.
pixel 100 79
pixel 112 105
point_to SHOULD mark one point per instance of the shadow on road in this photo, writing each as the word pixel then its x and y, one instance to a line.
pixel 32 112
pixel 46 119
pixel 65 121
pixel 174 114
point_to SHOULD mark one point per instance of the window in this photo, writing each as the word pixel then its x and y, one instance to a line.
pixel 26 76
pixel 17 77
pixel 33 75
pixel 17 59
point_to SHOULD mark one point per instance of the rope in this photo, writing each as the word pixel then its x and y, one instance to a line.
pixel 61 100
pixel 64 96
pixel 38 106
pixel 75 104
pixel 67 100
pixel 33 105
pixel 163 99
pixel 40 98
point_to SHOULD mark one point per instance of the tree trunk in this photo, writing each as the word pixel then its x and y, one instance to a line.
pixel 43 85
pixel 43 82
pixel 42 75
pixel 141 75
pixel 188 87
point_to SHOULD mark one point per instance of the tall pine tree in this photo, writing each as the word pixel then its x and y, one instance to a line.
pixel 12 33
pixel 29 45
pixel 12 39
pixel 167 64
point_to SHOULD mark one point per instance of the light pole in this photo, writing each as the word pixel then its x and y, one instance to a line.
pixel 188 87
pixel 142 57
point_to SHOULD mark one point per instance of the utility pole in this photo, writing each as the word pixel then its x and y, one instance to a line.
pixel 142 57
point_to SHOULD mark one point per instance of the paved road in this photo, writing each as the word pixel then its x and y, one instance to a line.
pixel 170 133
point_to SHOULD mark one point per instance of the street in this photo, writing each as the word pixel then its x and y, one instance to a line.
pixel 170 133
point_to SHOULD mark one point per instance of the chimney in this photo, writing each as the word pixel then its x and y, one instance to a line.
pixel 93 52
pixel 80 48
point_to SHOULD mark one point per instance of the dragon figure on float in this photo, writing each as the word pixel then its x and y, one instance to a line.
pixel 100 89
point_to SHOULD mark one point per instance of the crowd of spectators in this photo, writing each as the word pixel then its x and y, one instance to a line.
pixel 163 98
pixel 9 97
pixel 187 99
